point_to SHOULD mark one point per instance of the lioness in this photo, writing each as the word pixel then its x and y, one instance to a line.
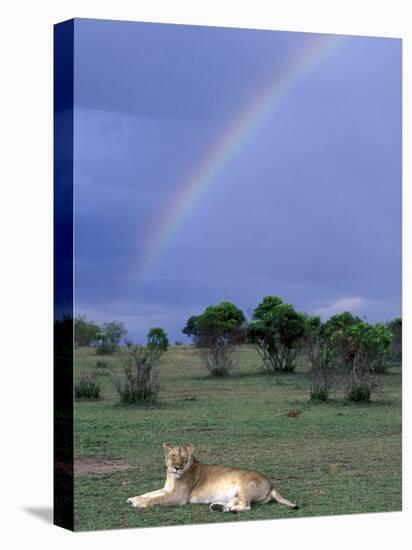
pixel 226 489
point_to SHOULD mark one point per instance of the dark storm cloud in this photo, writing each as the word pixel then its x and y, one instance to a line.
pixel 309 208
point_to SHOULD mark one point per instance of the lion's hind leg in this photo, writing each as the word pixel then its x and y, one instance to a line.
pixel 236 504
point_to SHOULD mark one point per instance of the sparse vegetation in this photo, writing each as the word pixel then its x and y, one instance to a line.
pixel 333 458
pixel 87 387
pixel 322 355
pixel 138 382
pixel 326 445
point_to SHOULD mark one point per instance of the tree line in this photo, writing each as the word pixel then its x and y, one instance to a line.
pixel 345 349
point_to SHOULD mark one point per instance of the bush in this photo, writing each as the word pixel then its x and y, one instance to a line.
pixel 217 333
pixel 276 331
pixel 106 348
pixel 101 364
pixel 322 354
pixel 87 387
pixel 319 394
pixel 139 383
pixel 360 393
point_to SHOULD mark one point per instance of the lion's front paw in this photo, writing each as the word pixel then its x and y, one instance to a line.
pixel 136 502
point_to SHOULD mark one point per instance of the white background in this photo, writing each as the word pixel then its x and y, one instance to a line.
pixel 26 268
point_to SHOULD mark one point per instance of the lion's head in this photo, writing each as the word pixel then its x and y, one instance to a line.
pixel 178 459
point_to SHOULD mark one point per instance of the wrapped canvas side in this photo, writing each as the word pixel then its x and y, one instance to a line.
pixel 63 275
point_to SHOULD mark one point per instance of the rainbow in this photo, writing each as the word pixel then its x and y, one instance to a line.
pixel 201 178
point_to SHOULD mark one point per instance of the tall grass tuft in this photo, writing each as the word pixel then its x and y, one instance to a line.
pixel 87 387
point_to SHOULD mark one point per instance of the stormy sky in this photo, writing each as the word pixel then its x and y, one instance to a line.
pixel 308 207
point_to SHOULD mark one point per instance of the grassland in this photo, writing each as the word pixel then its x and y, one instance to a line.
pixel 331 458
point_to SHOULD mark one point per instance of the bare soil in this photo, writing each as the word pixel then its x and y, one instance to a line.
pixel 87 466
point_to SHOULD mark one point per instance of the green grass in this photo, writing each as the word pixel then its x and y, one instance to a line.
pixel 333 458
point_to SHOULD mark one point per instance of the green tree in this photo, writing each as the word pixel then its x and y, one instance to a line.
pixel 217 333
pixel 157 340
pixel 361 350
pixel 110 336
pixel 337 328
pixel 373 346
pixel 276 330
pixel 86 331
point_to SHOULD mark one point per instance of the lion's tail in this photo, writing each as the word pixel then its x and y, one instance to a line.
pixel 282 500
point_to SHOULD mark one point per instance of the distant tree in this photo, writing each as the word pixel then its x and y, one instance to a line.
pixel 139 382
pixel 190 328
pixel 276 330
pixel 110 336
pixel 372 355
pixel 157 340
pixel 217 333
pixel 361 350
pixel 395 327
pixel 374 344
pixel 337 328
pixel 86 331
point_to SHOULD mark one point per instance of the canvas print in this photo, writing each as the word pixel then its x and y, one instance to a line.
pixel 228 322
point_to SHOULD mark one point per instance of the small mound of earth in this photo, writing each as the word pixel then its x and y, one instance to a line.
pixel 87 466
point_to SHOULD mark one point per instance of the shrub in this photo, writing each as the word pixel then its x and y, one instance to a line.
pixel 106 348
pixel 321 353
pixel 276 331
pixel 87 387
pixel 217 333
pixel 139 382
pixel 360 393
pixel 101 364
pixel 319 394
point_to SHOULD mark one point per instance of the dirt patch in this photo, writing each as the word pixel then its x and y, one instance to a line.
pixel 87 466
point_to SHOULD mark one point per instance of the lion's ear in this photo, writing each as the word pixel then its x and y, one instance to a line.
pixel 167 446
pixel 189 449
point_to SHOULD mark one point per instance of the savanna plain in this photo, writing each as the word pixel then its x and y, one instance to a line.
pixel 333 457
